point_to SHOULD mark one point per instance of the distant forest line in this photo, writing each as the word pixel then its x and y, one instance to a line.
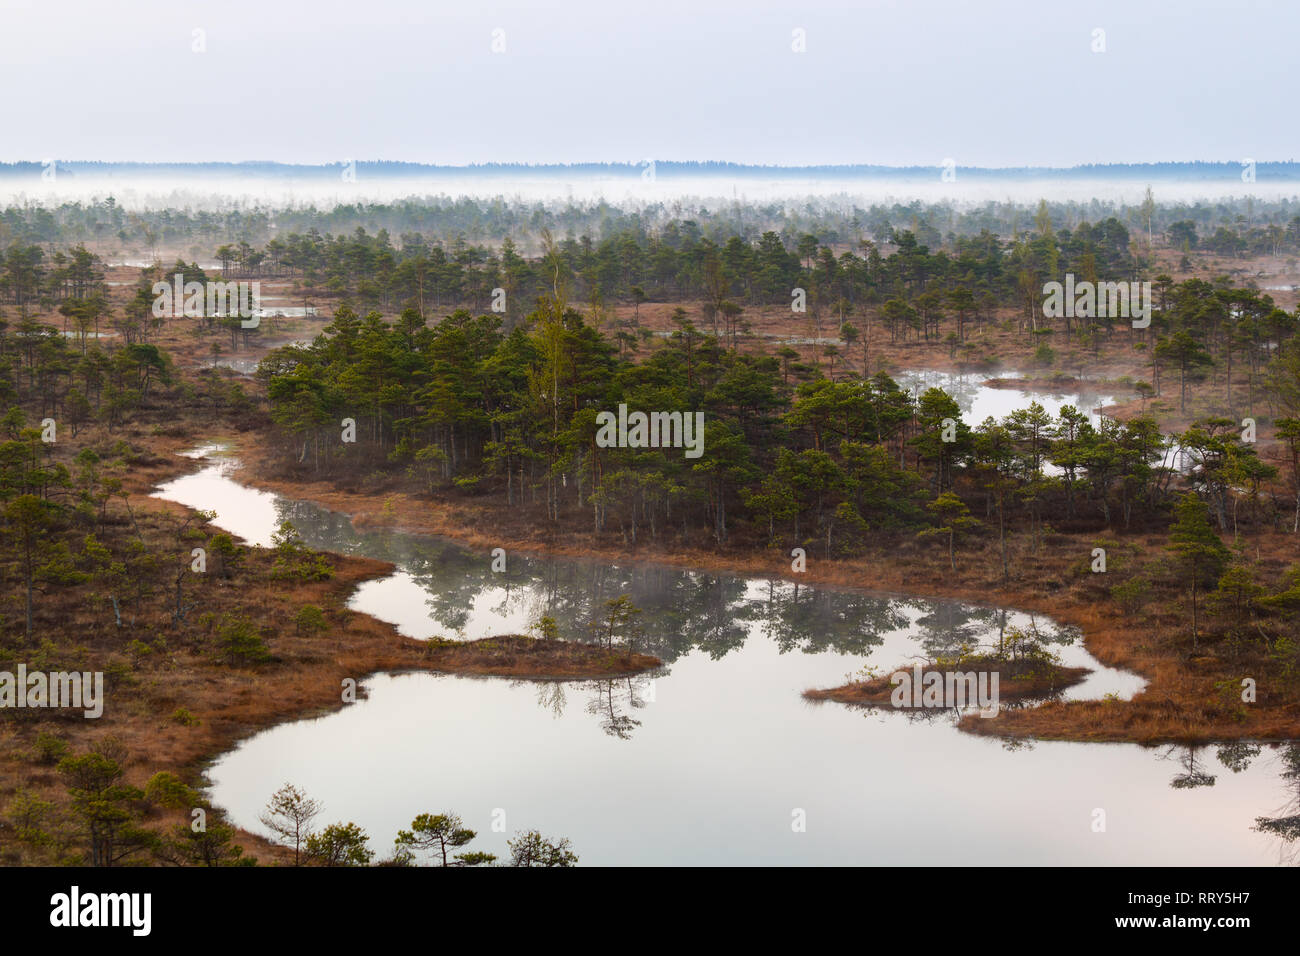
pixel 1236 227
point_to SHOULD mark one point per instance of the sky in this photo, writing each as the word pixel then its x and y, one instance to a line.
pixel 994 83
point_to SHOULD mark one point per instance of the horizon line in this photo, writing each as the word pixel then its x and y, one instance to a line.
pixel 633 165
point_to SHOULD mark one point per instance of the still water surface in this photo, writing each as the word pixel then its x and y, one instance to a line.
pixel 716 758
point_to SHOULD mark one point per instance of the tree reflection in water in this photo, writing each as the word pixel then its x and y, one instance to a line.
pixel 682 610
pixel 1237 756
pixel 1285 825
pixel 608 703
pixel 1192 776
pixel 551 696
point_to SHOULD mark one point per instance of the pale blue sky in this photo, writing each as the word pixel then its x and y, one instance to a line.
pixel 995 83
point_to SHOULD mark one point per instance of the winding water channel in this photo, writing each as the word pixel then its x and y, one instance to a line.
pixel 717 758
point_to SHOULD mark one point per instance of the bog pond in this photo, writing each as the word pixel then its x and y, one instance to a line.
pixel 717 758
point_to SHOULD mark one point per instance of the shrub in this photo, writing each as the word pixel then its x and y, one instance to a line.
pixel 294 560
pixel 50 749
pixel 310 620
pixel 29 817
pixel 546 628
pixel 168 790
pixel 139 650
pixel 239 643
pixel 1131 594
pixel 533 849
pixel 340 844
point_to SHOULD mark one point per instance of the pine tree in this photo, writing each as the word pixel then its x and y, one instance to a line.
pixel 1198 549
pixel 954 520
